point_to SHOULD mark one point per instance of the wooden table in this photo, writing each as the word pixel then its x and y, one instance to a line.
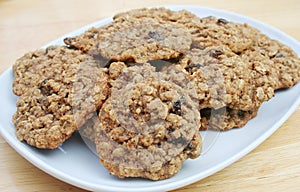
pixel 28 24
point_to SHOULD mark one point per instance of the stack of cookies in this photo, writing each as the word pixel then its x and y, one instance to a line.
pixel 142 86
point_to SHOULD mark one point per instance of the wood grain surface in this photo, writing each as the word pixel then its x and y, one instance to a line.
pixel 26 25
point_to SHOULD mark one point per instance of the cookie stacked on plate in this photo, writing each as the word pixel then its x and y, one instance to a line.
pixel 142 86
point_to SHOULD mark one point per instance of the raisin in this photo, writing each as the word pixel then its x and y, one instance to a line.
pixel 190 146
pixel 179 140
pixel 193 66
pixel 215 53
pixel 206 112
pixel 69 40
pixel 170 130
pixel 222 21
pixel 177 107
pixel 241 113
pixel 47 50
pixel 45 89
pixel 155 35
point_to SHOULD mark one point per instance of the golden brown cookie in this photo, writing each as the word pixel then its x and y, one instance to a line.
pixel 60 89
pixel 148 127
pixel 222 79
pixel 144 41
pixel 140 41
pixel 280 57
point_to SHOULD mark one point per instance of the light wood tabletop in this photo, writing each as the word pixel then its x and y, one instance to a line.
pixel 26 25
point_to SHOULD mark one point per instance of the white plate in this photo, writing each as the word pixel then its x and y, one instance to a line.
pixel 74 163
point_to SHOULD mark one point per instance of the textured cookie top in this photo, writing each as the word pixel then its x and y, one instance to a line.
pixel 222 78
pixel 55 62
pixel 144 41
pixel 84 42
pixel 280 57
pixel 205 32
pixel 139 40
pixel 208 31
pixel 59 88
pixel 162 15
pixel 212 31
pixel 89 39
pixel 153 126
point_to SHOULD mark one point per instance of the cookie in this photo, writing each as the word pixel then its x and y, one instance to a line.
pixel 222 79
pixel 223 118
pixel 140 41
pixel 144 41
pixel 263 70
pixel 85 41
pixel 150 130
pixel 211 31
pixel 279 56
pixel 55 62
pixel 60 89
